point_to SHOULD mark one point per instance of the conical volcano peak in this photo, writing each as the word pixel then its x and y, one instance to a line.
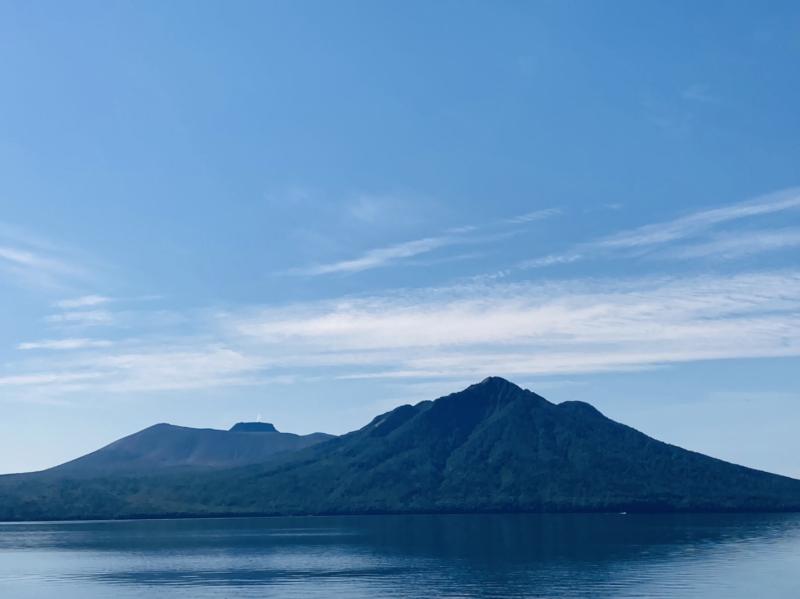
pixel 498 388
pixel 253 427
pixel 496 382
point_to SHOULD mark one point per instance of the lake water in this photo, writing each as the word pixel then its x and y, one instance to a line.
pixel 586 556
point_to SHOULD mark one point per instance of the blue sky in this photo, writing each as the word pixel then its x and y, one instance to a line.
pixel 316 211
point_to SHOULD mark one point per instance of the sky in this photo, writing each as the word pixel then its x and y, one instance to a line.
pixel 313 212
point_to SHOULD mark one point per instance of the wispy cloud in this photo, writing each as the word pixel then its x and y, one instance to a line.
pixel 146 368
pixel 551 260
pixel 392 254
pixel 85 301
pixel 530 217
pixel 701 221
pixel 729 246
pixel 381 256
pixel 64 344
pixel 33 262
pixel 542 329
pixel 35 269
pixel 82 317
pixel 452 332
pixel 164 368
pixel 651 236
pixel 47 379
pixel 455 333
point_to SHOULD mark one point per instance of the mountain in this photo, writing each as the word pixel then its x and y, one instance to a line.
pixel 492 447
pixel 167 446
pixel 253 427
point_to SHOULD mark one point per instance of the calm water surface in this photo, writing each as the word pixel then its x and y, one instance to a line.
pixel 709 556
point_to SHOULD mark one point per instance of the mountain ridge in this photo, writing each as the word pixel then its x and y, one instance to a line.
pixel 492 447
pixel 165 445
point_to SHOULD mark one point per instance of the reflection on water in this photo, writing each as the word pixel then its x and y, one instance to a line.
pixel 555 556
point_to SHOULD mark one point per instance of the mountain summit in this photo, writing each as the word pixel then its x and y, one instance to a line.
pixel 497 447
pixel 492 447
pixel 253 427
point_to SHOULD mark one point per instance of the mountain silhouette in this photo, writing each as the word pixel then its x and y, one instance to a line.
pixel 169 446
pixel 253 427
pixel 492 447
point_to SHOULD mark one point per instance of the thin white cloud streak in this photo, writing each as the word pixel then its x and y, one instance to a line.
pixel 698 222
pixel 33 262
pixel 659 234
pixel 143 369
pixel 28 259
pixel 35 269
pixel 384 256
pixel 534 216
pixel 85 301
pixel 82 317
pixel 381 256
pixel 551 260
pixel 19 236
pixel 44 379
pixel 730 246
pixel 64 344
